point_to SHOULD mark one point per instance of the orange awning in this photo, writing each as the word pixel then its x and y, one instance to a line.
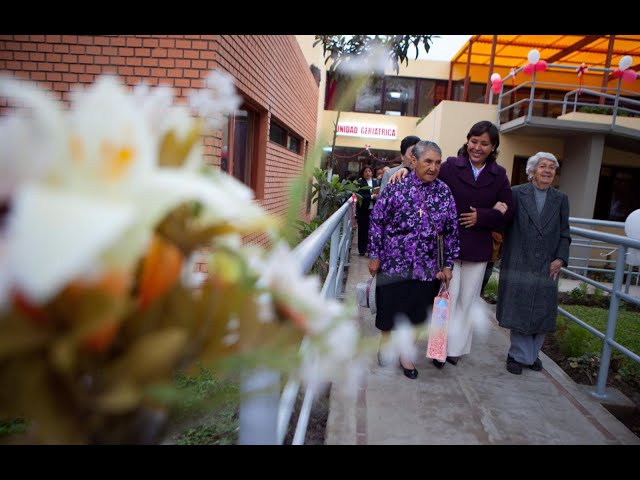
pixel 511 50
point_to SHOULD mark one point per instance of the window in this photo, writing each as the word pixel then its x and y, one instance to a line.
pixel 390 95
pixel 617 193
pixel 238 152
pixel 280 135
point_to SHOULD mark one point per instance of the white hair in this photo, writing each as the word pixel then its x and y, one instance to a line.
pixel 532 163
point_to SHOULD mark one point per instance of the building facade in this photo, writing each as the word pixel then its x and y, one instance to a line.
pixel 263 145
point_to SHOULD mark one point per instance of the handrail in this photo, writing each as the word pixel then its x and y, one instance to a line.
pixel 271 412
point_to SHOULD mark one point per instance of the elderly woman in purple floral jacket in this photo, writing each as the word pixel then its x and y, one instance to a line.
pixel 403 248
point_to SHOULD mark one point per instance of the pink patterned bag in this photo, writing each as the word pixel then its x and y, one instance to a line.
pixel 437 344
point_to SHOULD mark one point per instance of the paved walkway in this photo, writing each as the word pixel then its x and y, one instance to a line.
pixel 476 402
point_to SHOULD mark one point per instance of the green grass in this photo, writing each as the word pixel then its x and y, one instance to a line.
pixel 576 341
pixel 12 426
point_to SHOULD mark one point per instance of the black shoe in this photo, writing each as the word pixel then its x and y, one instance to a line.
pixel 536 366
pixel 453 360
pixel 513 366
pixel 411 373
pixel 438 364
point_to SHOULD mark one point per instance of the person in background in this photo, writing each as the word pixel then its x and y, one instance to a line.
pixel 536 246
pixel 483 200
pixel 363 210
pixel 403 250
pixel 406 145
pixel 379 173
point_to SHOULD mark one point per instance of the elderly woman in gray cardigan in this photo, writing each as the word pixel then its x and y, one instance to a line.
pixel 535 247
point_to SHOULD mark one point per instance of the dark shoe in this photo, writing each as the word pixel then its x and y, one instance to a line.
pixel 453 360
pixel 537 365
pixel 438 364
pixel 411 373
pixel 513 366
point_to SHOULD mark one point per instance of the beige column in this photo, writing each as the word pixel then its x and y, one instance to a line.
pixel 580 172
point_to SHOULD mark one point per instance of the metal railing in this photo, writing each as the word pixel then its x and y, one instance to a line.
pixel 621 100
pixel 590 256
pixel 616 294
pixel 265 413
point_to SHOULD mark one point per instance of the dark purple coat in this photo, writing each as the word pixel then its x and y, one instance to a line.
pixel 476 244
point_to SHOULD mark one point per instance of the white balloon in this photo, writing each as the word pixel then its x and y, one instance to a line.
pixel 495 76
pixel 533 56
pixel 632 230
pixel 632 225
pixel 625 62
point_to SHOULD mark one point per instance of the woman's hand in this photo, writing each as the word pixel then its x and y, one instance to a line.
pixel 374 266
pixel 554 268
pixel 445 276
pixel 468 220
pixel 399 175
pixel 502 207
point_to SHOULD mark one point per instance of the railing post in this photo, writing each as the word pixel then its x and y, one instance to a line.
pixel 333 260
pixel 531 96
pixel 605 357
pixel 259 408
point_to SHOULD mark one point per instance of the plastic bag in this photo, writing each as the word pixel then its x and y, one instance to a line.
pixel 437 344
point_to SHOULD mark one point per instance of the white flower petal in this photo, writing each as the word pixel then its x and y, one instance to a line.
pixel 55 236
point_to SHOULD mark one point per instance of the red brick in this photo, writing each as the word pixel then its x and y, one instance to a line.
pixel 22 56
pixel 158 72
pixel 117 60
pixel 175 53
pixel 126 52
pixel 76 68
pixel 142 52
pixel 60 67
pixel 70 77
pixel 136 62
pixel 29 66
pixel 134 42
pixel 110 51
pixel 159 52
pixel 175 72
pixel 167 43
pixel 199 64
pixel 77 49
pixel 183 63
pixel 29 47
pixel 70 58
pixel 101 60
pixel 125 71
pixel 84 40
pixel 85 59
pixel 182 82
pixel 21 38
pixel 36 57
pixel 150 42
pixel 54 76
pixel 185 44
pixel 141 71
pixel 102 41
pixel 86 78
pixel 150 62
pixel 118 41
pixel 94 69
pixel 61 87
pixel 38 76
pixel 53 39
pixel 94 50
pixel 164 62
pixel 207 55
pixel 54 57
pixel 190 73
pixel 62 48
pixel 191 54
pixel 45 47
pixel 200 45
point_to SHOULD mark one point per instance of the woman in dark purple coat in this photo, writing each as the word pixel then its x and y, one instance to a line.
pixel 484 203
pixel 403 248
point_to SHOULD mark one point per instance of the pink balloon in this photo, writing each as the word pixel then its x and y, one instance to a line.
pixel 541 66
pixel 616 73
pixel 496 85
pixel 628 75
pixel 528 68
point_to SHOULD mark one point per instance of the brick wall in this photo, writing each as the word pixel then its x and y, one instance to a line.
pixel 270 71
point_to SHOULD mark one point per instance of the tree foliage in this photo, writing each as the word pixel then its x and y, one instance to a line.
pixel 337 48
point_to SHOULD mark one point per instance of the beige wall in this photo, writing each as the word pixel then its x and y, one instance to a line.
pixel 613 157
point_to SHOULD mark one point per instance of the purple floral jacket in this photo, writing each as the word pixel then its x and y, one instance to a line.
pixel 402 234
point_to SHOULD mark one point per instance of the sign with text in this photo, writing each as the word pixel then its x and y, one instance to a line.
pixel 386 132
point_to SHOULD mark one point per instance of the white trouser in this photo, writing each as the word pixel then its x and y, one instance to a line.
pixel 464 293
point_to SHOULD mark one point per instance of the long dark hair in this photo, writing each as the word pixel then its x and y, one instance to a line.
pixel 484 126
